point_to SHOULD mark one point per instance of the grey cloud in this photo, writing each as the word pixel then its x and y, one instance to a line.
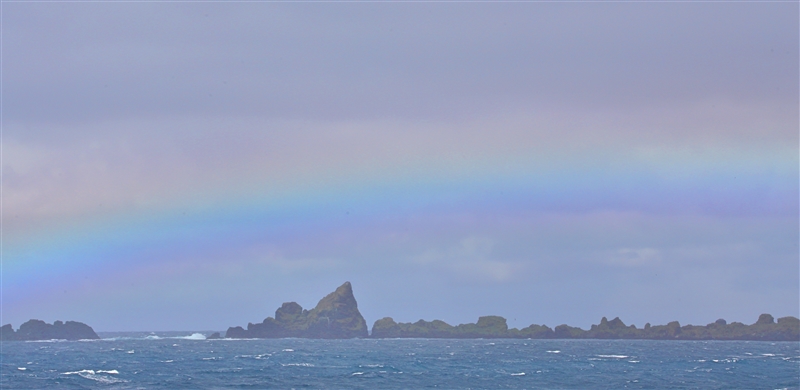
pixel 343 61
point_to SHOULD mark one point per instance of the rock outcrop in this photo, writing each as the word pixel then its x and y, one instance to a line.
pixel 766 329
pixel 335 317
pixel 40 330
pixel 486 327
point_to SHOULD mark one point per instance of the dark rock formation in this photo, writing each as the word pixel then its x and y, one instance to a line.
pixel 614 329
pixel 39 330
pixel 534 332
pixel 7 333
pixel 335 317
pixel 786 329
pixel 214 336
pixel 565 331
pixel 765 319
pixel 486 327
pixel 387 328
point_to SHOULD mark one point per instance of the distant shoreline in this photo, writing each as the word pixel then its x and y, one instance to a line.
pixel 336 316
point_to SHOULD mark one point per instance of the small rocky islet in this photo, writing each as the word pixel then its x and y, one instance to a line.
pixel 40 330
pixel 336 316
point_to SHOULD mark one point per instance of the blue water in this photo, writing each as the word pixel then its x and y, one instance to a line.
pixel 185 363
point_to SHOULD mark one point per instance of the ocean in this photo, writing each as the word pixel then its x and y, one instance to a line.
pixel 172 361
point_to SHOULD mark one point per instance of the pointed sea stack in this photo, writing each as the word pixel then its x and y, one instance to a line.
pixel 335 317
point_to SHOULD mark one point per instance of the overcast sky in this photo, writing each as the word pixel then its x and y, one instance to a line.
pixel 191 166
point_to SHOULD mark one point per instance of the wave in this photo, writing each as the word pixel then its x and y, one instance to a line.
pixel 613 356
pixel 193 336
pixel 95 375
pixel 262 356
pixel 60 340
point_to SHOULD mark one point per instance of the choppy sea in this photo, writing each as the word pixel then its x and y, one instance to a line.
pixel 170 361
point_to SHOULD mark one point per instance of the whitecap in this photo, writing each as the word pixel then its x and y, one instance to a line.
pixel 518 374
pixel 297 365
pixel 131 351
pixel 92 375
pixel 613 356
pixel 554 351
pixel 78 372
pixel 167 361
pixel 357 373
pixel 21 368
pixel 633 361
pixel 768 354
pixel 193 336
pixel 288 350
pixel 152 338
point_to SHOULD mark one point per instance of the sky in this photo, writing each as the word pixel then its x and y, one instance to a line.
pixel 191 166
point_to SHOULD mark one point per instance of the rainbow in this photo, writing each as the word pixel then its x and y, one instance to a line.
pixel 309 208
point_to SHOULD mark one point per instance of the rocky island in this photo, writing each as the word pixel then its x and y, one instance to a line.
pixel 40 330
pixel 765 329
pixel 335 317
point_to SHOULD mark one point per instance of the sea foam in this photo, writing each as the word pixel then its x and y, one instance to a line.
pixel 193 336
pixel 95 375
